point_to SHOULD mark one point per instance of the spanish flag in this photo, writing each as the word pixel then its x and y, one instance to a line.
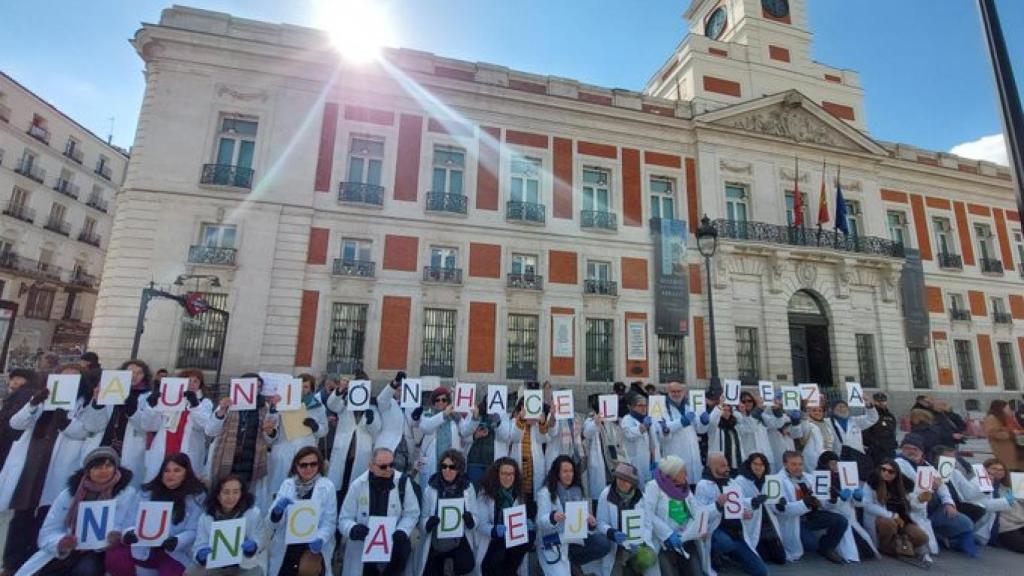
pixel 823 215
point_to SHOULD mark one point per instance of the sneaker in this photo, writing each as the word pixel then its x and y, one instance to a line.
pixel 833 557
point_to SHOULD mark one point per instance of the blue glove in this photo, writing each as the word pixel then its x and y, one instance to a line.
pixel 281 505
pixel 858 494
pixel 367 415
pixel 654 466
pixel 316 546
pixel 664 427
pixel 794 416
pixel 705 418
pixel 845 494
pixel 1010 498
pixel 249 547
pixel 690 417
pixel 618 536
pixel 646 421
pixel 499 531
pixel 202 554
pixel 417 413
pixel 675 541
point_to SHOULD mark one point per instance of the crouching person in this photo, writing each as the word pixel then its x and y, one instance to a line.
pixel 306 481
pixel 230 499
pixel 680 537
pixel 625 559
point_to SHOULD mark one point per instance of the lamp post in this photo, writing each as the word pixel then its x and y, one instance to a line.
pixel 707 244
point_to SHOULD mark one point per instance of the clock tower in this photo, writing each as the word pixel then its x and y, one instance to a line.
pixel 741 50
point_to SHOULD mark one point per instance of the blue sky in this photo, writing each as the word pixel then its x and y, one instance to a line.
pixel 923 63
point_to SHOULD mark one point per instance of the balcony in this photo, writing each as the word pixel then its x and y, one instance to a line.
pixel 66 188
pixel 31 171
pixel 20 211
pixel 528 212
pixel 5 113
pixel 1002 318
pixel 58 225
pixel 212 255
pixel 83 279
pixel 444 202
pixel 521 371
pixel 525 281
pixel 361 193
pixel 96 201
pixel 10 260
pixel 74 153
pixel 959 315
pixel 89 237
pixel 354 268
pixel 599 220
pixel 760 232
pixel 442 274
pixel 990 265
pixel 227 175
pixel 600 287
pixel 103 171
pixel 950 261
pixel 440 370
pixel 39 133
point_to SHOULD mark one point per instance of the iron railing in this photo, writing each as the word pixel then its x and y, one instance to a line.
pixel 347 366
pixel 960 315
pixel 227 175
pixel 442 274
pixel 599 219
pixel 84 279
pixel 215 255
pixel 66 188
pixel 10 260
pixel 89 238
pixel 361 193
pixel 444 202
pixel 103 171
pixel 990 265
pixel 39 133
pixel 20 211
pixel 601 287
pixel 97 202
pixel 440 370
pixel 356 268
pixel 951 261
pixel 521 371
pixel 58 225
pixel 31 171
pixel 74 153
pixel 748 231
pixel 525 212
pixel 1002 317
pixel 525 281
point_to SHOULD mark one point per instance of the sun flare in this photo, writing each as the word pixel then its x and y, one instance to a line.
pixel 357 28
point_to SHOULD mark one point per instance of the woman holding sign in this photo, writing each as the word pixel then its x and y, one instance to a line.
pixel 502 523
pixel 762 532
pixel 1008 526
pixel 442 429
pixel 230 499
pixel 631 554
pixel 844 494
pixel 562 508
pixel 83 518
pixel 183 427
pixel 313 546
pixel 443 516
pixel 300 421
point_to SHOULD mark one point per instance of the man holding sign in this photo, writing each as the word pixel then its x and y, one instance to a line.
pixel 724 493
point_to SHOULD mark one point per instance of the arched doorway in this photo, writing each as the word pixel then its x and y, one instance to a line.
pixel 808 339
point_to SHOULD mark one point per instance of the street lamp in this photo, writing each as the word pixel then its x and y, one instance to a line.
pixel 707 244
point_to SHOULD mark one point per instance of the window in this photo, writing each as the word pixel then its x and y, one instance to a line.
pixel 956 302
pixel 353 250
pixel 1007 365
pixel 663 197
pixel 598 270
pixel 56 219
pixel 365 160
pixel 596 190
pixel 73 150
pixel 449 169
pixel 524 264
pixel 442 257
pixel 218 236
pixel 1018 241
pixel 438 343
pixel 897 222
pixel 45 258
pixel 522 347
pixel 89 228
pixel 943 236
pixel 736 203
pixel 19 198
pixel 348 337
pixel 671 358
pixel 965 364
pixel 998 305
pixel 853 217
pixel 866 360
pixel 791 209
pixel 919 373
pixel 746 355
pixel 600 350
pixel 526 180
pixel 236 142
pixel 202 335
pixel 103 167
pixel 984 235
pixel 40 303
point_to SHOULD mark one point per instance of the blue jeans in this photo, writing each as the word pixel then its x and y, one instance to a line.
pixel 595 547
pixel 950 527
pixel 833 524
pixel 737 549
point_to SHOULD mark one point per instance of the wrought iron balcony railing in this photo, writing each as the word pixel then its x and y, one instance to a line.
pixel 215 255
pixel 960 315
pixel 600 287
pixel 1020 269
pixel 599 219
pixel 950 261
pixel 1002 318
pixel 31 171
pixel 89 238
pixel 356 268
pixel 442 274
pixel 67 188
pixel 227 175
pixel 525 281
pixel 444 202
pixel 39 133
pixel 97 202
pixel 525 212
pixel 990 265
pixel 10 260
pixel 361 193
pixel 748 231
pixel 84 279
pixel 20 211
pixel 58 225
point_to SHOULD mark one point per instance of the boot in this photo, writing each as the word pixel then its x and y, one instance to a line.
pixel 966 544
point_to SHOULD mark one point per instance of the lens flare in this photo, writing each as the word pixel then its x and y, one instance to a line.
pixel 357 28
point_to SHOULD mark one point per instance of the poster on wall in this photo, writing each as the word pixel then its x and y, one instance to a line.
pixel 561 335
pixel 671 278
pixel 636 330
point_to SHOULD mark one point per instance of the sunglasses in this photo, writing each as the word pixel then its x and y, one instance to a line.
pixel 449 467
pixel 385 466
pixel 442 399
pixel 308 464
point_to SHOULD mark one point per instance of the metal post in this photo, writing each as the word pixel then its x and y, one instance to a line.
pixel 140 324
pixel 223 345
pixel 715 385
pixel 1009 98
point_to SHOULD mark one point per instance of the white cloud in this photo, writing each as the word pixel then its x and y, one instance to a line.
pixel 991 148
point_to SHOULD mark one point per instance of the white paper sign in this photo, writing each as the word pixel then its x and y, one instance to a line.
pixel 733 503
pixel 767 390
pixel 849 475
pixel 945 468
pixel 378 543
pixel 290 391
pixel 465 397
pixel 497 399
pixel 810 393
pixel 608 407
pixel 562 404
pixel 449 512
pixel 95 519
pixel 1017 484
pixel 924 480
pixel 274 382
pixel 63 390
pixel 172 394
pixel 854 395
pixel 636 345
pixel 822 483
pixel 115 385
pixel 790 398
pixel 731 392
pixel 632 526
pixel 226 537
pixel 983 479
pixel 698 401
pixel 575 527
pixel 561 336
pixel 514 518
pixel 411 390
pixel 657 407
pixel 358 395
pixel 242 393
pixel 533 404
pixel 772 488
pixel 303 520
pixel 153 523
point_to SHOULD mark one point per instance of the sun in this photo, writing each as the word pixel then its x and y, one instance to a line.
pixel 357 28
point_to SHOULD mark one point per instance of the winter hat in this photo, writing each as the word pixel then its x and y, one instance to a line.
pixel 438 392
pixel 626 471
pixel 914 440
pixel 99 454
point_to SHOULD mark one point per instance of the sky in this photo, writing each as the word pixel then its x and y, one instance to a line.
pixel 924 66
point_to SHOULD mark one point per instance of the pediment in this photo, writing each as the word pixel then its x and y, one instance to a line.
pixel 794 117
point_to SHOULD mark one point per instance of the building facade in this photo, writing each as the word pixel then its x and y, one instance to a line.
pixel 59 180
pixel 468 221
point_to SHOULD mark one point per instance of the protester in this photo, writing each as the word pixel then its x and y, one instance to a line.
pixel 305 481
pixel 856 540
pixel 754 430
pixel 230 499
pixel 563 440
pixel 500 489
pixel 489 442
pixel 604 448
pixel 561 486
pixel 964 487
pixel 73 441
pixel 395 424
pixel 640 440
pixel 683 549
pixel 176 483
pixel 880 438
pixel 819 435
pixel 22 385
pixel 724 428
pixel 1007 529
pixel 443 429
pixel 240 444
pixel 888 514
pixel 100 478
pixel 849 429
pixel 761 531
pixel 122 426
pixel 1001 436
pixel 311 420
pixel 678 430
pixel 527 447
pixel 449 482
pixel 183 431
pixel 380 491
pixel 729 538
pixel 802 516
pixel 782 436
pixel 353 440
pixel 637 559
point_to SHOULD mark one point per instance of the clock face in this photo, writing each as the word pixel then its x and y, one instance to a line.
pixel 777 8
pixel 715 24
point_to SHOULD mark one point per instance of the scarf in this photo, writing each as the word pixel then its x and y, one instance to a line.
pixel 224 455
pixel 826 434
pixel 730 441
pixel 443 439
pixel 454 489
pixel 570 494
pixel 669 487
pixel 526 453
pixel 303 488
pixel 93 491
pixel 624 500
pixel 506 499
pixel 310 401
pixel 842 422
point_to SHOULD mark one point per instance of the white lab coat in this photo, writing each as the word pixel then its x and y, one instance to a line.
pixel 347 430
pixel 716 440
pixel 537 441
pixel 194 442
pixel 753 435
pixel 184 531
pixel 970 491
pixel 421 554
pixel 789 518
pixel 485 521
pixel 752 527
pixel 815 442
pixel 847 548
pixel 73 443
pixel 662 527
pixel 681 439
pixel 782 432
pixel 545 507
pixel 873 509
pixel 133 447
pixel 563 439
pixel 608 518
pixel 392 420
pixel 324 493
pixel 256 529
pixel 461 427
pixel 356 509
pixel 919 510
pixel 596 437
pixel 853 437
pixel 283 450
pixel 641 446
pixel 25 419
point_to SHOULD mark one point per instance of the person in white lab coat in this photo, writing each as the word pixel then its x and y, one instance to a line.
pixel 305 481
pixel 353 440
pixel 729 539
pixel 633 559
pixel 181 431
pixel 443 428
pixel 679 430
pixel 314 427
pixel 230 499
pixel 681 540
pixel 639 437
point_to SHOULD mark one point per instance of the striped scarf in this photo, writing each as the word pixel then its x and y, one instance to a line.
pixel 224 456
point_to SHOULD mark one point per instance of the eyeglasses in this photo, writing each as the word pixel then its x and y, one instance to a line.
pixel 442 399
pixel 308 464
pixel 385 466
pixel 449 467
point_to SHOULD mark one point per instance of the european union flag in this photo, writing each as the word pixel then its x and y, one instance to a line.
pixel 841 222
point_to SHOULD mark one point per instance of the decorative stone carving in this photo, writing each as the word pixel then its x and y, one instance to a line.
pixel 787 175
pixel 793 122
pixel 735 167
pixel 239 95
pixel 889 283
pixel 806 273
pixel 844 276
pixel 775 268
pixel 721 271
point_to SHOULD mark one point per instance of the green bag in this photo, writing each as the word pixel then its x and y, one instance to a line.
pixel 643 559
